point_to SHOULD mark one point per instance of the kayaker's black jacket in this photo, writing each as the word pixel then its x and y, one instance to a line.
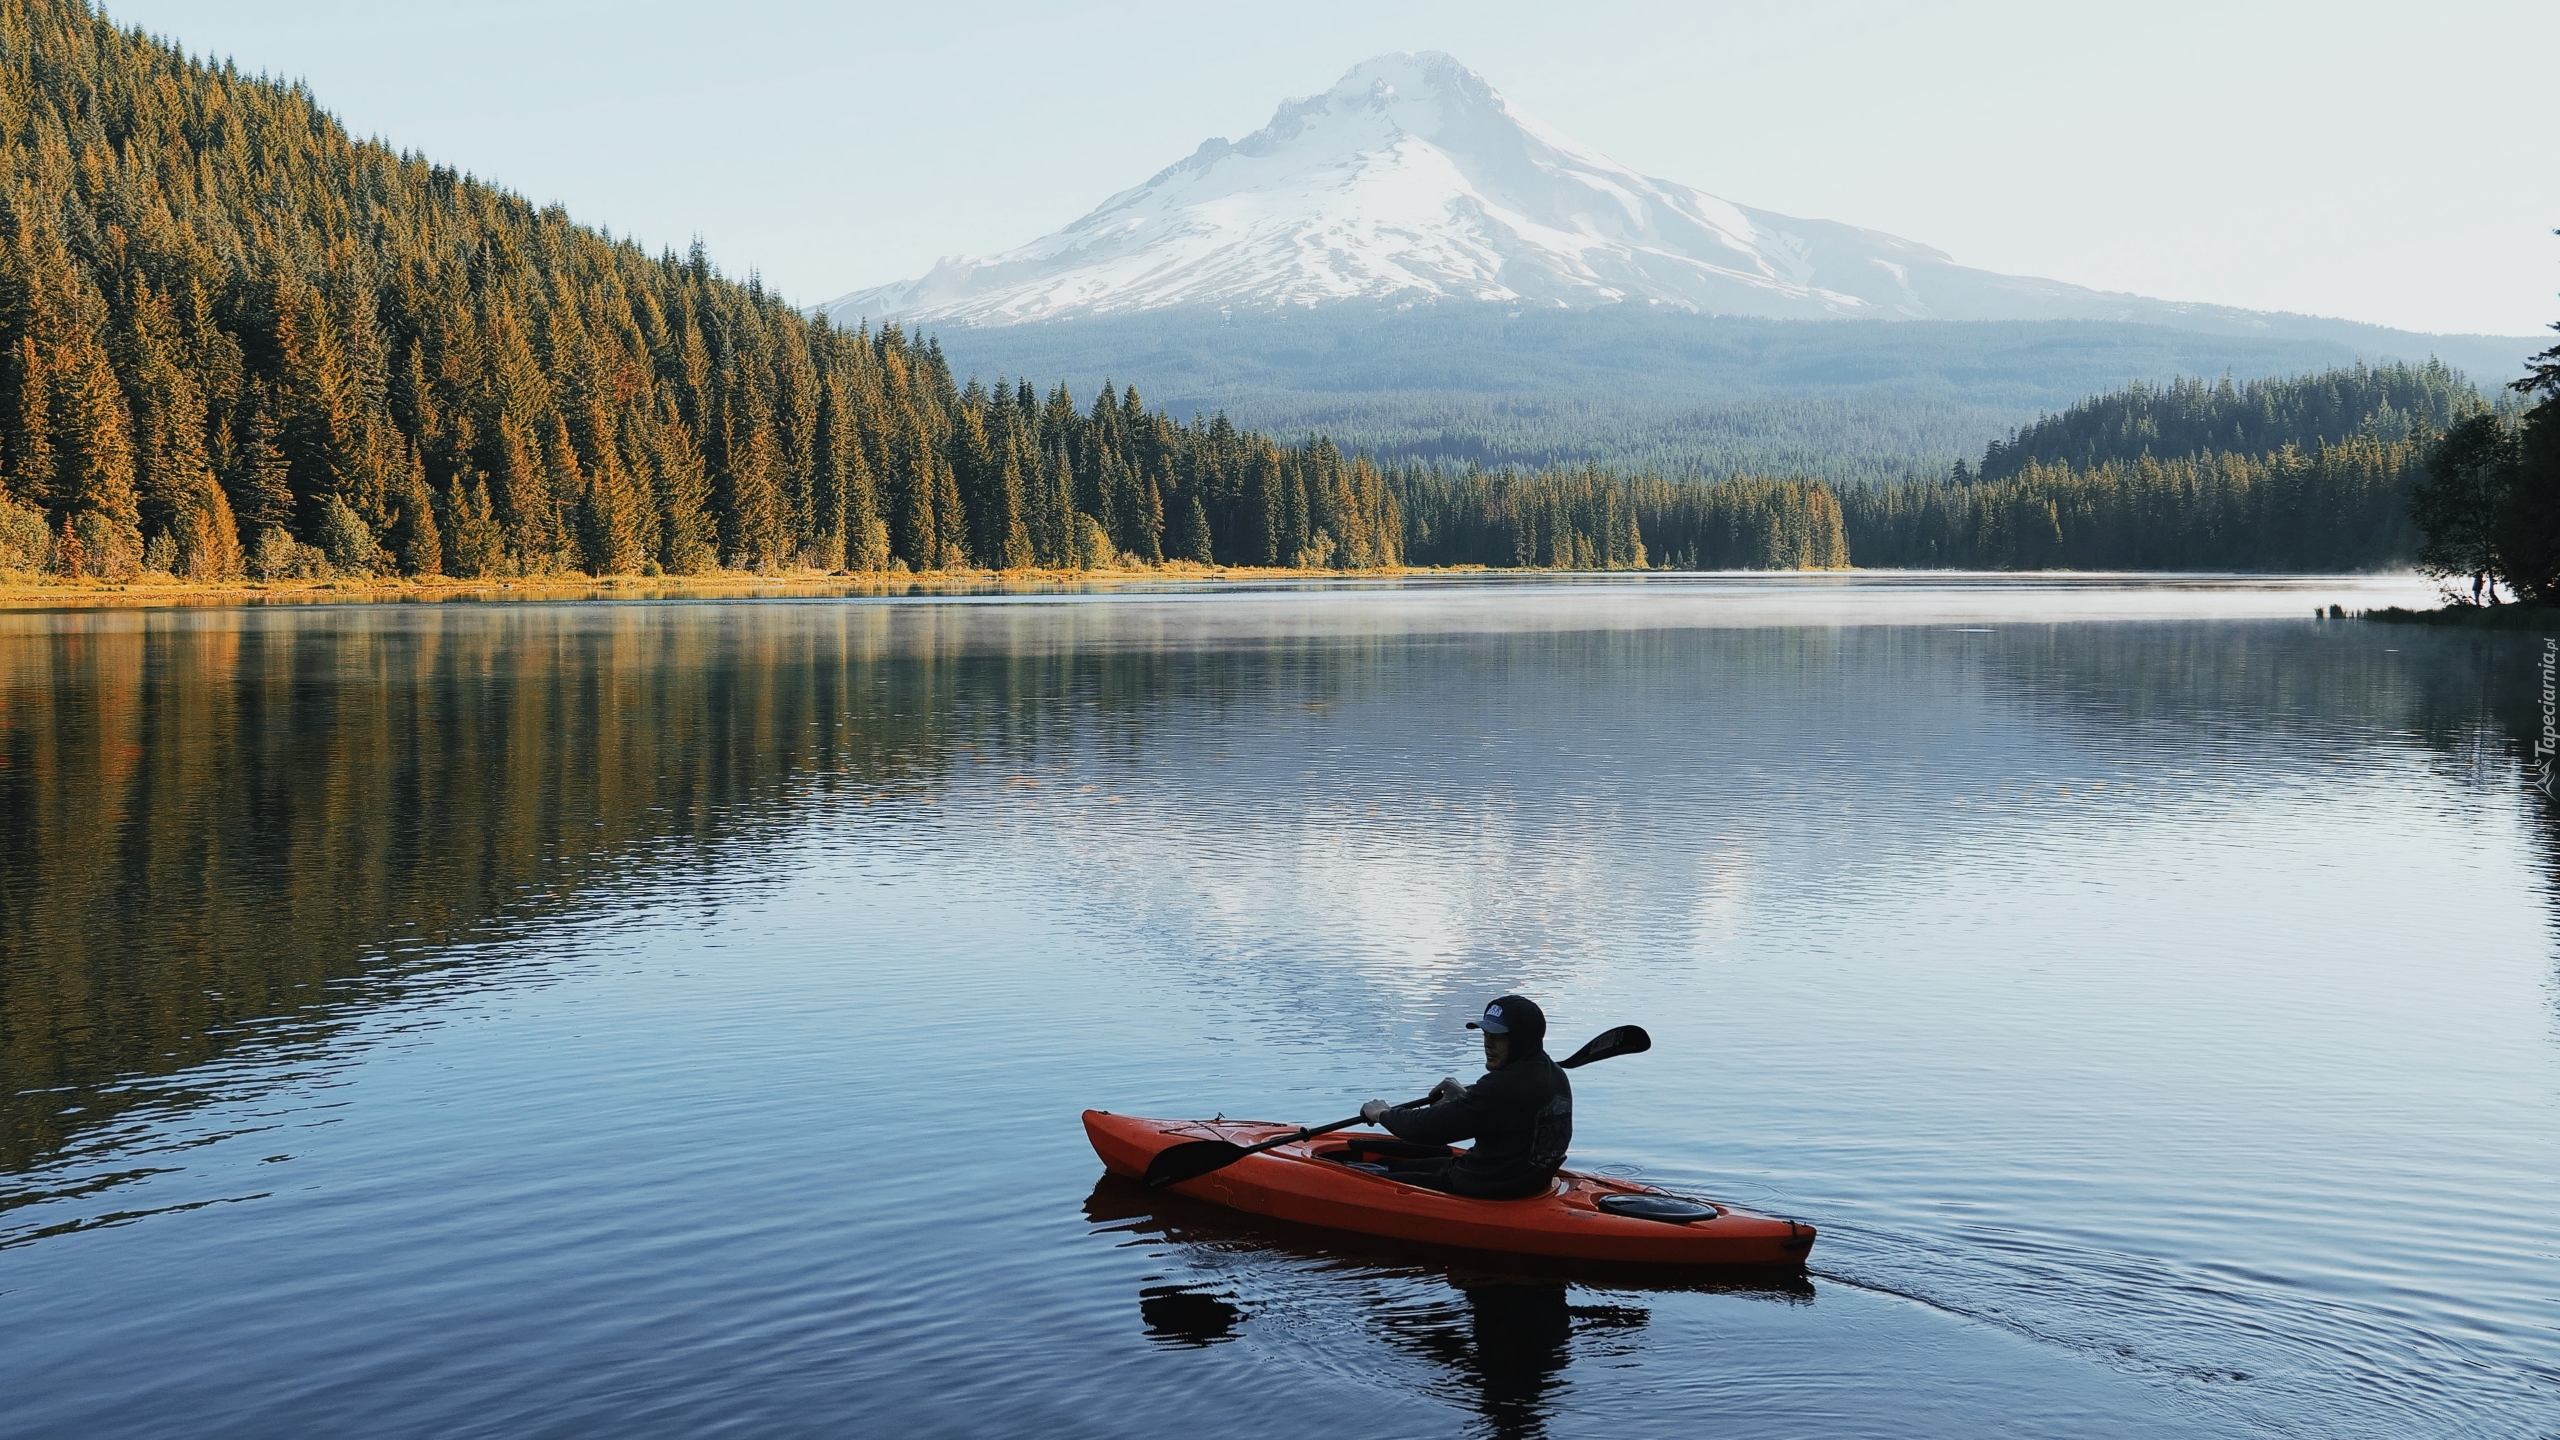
pixel 1520 1116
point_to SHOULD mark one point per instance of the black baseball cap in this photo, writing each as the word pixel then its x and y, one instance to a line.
pixel 1507 1013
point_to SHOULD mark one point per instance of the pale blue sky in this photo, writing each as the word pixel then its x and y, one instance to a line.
pixel 2389 163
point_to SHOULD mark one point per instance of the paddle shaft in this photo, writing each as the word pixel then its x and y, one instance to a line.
pixel 1309 1133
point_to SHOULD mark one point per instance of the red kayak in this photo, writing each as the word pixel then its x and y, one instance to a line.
pixel 1322 1181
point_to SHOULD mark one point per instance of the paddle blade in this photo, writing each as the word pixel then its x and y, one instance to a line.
pixel 1190 1160
pixel 1625 1040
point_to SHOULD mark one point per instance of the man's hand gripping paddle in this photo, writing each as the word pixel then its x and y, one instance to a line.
pixel 1195 1158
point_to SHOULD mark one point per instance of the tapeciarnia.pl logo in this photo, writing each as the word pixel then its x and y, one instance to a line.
pixel 2549 742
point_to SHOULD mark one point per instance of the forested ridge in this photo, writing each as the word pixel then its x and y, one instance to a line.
pixel 238 339
pixel 2192 416
pixel 2309 472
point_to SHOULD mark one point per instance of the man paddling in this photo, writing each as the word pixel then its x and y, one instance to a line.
pixel 1520 1115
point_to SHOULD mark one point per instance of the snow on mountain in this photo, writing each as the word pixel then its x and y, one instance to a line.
pixel 1413 180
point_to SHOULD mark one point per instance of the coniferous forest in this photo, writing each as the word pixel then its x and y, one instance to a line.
pixel 237 342
pixel 2191 416
pixel 2311 473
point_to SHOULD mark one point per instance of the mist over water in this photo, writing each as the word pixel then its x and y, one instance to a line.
pixel 653 1018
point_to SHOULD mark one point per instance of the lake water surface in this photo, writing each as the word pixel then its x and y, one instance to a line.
pixel 670 1019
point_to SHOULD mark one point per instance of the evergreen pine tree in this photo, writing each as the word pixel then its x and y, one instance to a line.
pixel 1008 500
pixel 475 543
pixel 417 544
pixel 96 492
pixel 1058 535
pixel 951 521
pixel 1191 541
pixel 609 524
pixel 914 535
pixel 831 479
pixel 686 532
pixel 28 456
pixel 341 534
pixel 527 505
pixel 261 487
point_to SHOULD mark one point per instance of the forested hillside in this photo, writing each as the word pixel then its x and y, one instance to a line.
pixel 2190 416
pixel 236 338
pixel 2308 473
pixel 2333 507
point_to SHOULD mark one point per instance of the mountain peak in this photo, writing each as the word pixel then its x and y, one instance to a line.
pixel 1413 76
pixel 1414 180
pixel 1413 81
pixel 1421 93
pixel 1424 93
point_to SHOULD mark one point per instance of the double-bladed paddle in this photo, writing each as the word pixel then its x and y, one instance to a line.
pixel 1195 1158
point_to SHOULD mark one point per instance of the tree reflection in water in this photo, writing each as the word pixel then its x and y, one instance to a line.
pixel 1500 1340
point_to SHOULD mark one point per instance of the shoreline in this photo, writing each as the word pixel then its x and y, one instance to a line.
pixel 21 592
pixel 2514 615
pixel 149 590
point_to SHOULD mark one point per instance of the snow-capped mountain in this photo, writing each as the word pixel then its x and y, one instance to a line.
pixel 1413 180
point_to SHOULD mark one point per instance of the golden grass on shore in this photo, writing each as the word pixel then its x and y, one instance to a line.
pixel 46 591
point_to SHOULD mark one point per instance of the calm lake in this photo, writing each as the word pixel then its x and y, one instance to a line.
pixel 671 1018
